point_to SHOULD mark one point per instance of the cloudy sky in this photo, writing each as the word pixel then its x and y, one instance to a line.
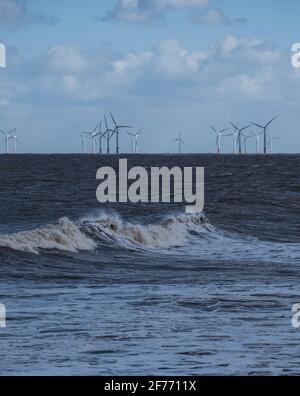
pixel 160 65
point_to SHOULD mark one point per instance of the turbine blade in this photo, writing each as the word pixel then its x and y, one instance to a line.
pixel 257 125
pixel 273 119
pixel 246 127
pixel 223 130
pixel 112 117
pixel 213 129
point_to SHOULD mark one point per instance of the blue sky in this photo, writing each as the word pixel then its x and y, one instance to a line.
pixel 160 65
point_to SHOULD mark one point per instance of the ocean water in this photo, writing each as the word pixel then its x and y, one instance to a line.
pixel 146 289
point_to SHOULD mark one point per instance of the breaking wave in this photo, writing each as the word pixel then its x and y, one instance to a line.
pixel 89 233
pixel 65 235
pixel 188 235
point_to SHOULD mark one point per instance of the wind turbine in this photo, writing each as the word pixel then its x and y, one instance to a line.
pixel 271 143
pixel 257 137
pixel 180 142
pixel 246 137
pixel 7 136
pixel 219 135
pixel 14 140
pixel 116 131
pixel 84 136
pixel 93 135
pixel 108 134
pixel 135 137
pixel 101 136
pixel 265 130
pixel 239 132
pixel 234 134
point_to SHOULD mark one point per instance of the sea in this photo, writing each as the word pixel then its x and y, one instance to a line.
pixel 146 289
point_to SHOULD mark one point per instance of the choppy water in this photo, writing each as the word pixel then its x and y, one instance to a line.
pixel 145 289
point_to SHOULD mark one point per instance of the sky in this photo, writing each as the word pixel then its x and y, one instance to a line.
pixel 162 65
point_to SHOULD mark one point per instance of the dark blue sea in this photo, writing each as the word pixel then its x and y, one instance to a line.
pixel 145 289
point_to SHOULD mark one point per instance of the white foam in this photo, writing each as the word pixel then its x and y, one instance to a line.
pixel 114 229
pixel 89 233
pixel 65 235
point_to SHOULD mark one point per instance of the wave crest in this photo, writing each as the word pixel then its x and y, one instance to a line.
pixel 90 233
pixel 65 236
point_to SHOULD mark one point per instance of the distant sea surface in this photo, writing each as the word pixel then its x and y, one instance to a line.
pixel 137 289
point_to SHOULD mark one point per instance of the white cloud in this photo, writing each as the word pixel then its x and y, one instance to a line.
pixel 66 59
pixel 131 62
pixel 138 11
pixel 245 67
pixel 249 49
pixel 174 61
pixel 15 13
pixel 213 16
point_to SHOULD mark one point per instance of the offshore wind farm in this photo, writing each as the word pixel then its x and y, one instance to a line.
pixel 105 138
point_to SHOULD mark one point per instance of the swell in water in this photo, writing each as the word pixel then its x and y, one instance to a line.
pixel 191 235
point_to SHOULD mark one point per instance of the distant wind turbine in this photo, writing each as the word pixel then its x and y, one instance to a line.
pixel 234 134
pixel 265 132
pixel 135 137
pixel 219 135
pixel 84 136
pixel 108 134
pixel 239 132
pixel 7 136
pixel 273 139
pixel 116 132
pixel 180 142
pixel 14 140
pixel 93 135
pixel 257 138
pixel 100 135
pixel 246 137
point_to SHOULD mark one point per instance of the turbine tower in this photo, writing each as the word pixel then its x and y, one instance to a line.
pixel 180 142
pixel 7 137
pixel 265 132
pixel 219 135
pixel 84 136
pixel 14 140
pixel 246 137
pixel 94 134
pixel 101 136
pixel 135 137
pixel 234 134
pixel 257 137
pixel 271 143
pixel 116 132
pixel 108 134
pixel 239 132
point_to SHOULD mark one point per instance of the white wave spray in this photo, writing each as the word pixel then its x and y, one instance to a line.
pixel 65 235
